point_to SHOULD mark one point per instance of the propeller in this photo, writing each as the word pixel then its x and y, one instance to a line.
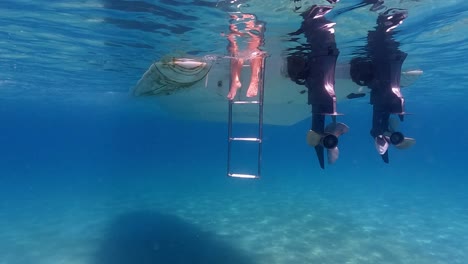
pixel 393 137
pixel 328 140
pixel 397 138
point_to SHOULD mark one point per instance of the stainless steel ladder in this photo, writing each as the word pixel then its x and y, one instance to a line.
pixel 258 139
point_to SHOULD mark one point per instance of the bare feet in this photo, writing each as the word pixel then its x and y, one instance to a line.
pixel 256 66
pixel 253 89
pixel 236 84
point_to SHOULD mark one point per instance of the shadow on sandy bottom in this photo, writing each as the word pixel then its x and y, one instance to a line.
pixel 147 237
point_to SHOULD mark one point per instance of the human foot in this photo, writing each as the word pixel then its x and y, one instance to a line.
pixel 233 90
pixel 253 90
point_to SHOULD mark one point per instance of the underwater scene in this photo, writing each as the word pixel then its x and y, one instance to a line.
pixel 233 132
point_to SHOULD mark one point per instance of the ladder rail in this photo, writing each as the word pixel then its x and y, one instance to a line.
pixel 229 138
pixel 260 116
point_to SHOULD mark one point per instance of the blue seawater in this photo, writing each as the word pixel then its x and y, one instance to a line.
pixel 92 175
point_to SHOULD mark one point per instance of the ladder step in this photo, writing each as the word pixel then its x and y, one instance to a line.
pixel 245 176
pixel 246 102
pixel 246 139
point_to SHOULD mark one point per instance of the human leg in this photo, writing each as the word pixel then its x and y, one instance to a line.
pixel 236 67
pixel 256 64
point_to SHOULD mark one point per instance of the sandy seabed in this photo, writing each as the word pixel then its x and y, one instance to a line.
pixel 270 224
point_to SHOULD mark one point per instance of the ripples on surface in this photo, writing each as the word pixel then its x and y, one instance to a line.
pixel 85 47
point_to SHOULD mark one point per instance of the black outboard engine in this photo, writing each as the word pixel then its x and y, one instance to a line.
pixel 380 70
pixel 316 70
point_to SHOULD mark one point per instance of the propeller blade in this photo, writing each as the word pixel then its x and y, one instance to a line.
pixel 332 155
pixel 313 138
pixel 407 143
pixel 336 129
pixel 385 157
pixel 381 144
pixel 320 156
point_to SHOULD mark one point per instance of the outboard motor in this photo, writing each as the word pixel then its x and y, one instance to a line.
pixel 380 70
pixel 316 70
